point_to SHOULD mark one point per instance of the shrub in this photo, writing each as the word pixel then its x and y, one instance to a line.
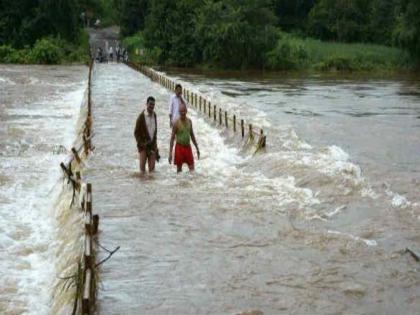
pixel 134 42
pixel 46 51
pixel 10 55
pixel 289 54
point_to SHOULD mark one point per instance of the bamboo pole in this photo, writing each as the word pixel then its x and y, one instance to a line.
pixel 86 307
pixel 88 223
pixel 88 251
pixel 76 155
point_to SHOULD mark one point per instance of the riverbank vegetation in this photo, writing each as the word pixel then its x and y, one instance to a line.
pixel 45 32
pixel 352 35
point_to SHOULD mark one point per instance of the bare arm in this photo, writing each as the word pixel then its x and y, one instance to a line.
pixel 170 112
pixel 194 141
pixel 171 144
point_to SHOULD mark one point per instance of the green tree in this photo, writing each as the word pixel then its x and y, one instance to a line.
pixel 169 27
pixel 235 33
pixel 382 21
pixel 407 30
pixel 19 22
pixel 22 22
pixel 342 20
pixel 62 18
pixel 132 15
pixel 292 14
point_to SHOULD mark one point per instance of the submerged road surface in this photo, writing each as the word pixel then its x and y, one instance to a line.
pixel 242 233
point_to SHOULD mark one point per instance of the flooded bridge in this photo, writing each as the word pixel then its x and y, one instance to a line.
pixel 317 223
pixel 242 233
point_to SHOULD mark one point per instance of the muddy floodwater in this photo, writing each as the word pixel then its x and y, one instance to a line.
pixel 39 110
pixel 316 224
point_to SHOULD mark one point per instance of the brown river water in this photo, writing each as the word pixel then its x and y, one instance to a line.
pixel 316 224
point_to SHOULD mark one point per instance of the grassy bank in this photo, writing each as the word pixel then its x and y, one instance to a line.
pixel 294 53
pixel 48 50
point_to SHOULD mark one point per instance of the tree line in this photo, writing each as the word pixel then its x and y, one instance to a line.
pixel 45 31
pixel 240 33
pixel 224 33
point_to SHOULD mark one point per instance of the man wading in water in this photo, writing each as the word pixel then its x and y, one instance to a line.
pixel 174 103
pixel 146 136
pixel 182 130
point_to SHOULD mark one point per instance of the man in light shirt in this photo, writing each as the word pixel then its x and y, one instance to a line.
pixel 174 103
pixel 146 136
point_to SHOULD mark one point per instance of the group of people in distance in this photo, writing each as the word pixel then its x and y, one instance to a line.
pixel 145 133
pixel 121 54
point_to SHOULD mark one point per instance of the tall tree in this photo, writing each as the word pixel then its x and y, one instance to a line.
pixel 235 33
pixel 407 30
pixel 342 20
pixel 169 27
pixel 132 16
pixel 382 21
pixel 292 14
pixel 62 18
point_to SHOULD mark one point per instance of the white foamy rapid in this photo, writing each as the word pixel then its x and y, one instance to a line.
pixel 30 179
pixel 286 147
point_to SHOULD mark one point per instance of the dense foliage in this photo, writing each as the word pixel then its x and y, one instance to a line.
pixel 44 31
pixel 271 33
pixel 221 33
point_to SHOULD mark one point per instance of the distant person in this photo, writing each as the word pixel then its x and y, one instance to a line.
pixel 99 56
pixel 145 133
pixel 182 131
pixel 174 103
pixel 118 53
pixel 111 53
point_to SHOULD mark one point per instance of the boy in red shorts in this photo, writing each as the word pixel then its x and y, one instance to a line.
pixel 182 130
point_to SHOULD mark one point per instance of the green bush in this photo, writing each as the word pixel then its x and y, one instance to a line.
pixel 6 51
pixel 46 51
pixel 289 54
pixel 134 42
pixel 10 55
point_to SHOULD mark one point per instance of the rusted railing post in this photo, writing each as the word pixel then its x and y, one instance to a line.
pixel 234 123
pixel 262 139
pixel 220 116
pixel 209 110
pixel 242 128
pixel 214 112
pixel 200 102
pixel 226 120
